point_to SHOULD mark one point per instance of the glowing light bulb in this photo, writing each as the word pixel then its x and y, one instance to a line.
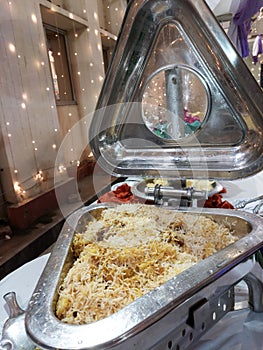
pixel 34 18
pixel 39 176
pixel 18 188
pixel 12 47
pixel 61 168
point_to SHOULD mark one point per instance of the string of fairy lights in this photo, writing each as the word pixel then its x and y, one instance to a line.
pixel 24 105
pixel 26 186
pixel 108 29
pixel 256 66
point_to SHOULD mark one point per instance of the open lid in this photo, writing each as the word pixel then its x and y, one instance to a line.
pixel 178 100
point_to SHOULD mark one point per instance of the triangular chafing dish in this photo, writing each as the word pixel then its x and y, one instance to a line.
pixel 178 100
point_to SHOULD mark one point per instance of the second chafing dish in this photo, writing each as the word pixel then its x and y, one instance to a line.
pixel 178 312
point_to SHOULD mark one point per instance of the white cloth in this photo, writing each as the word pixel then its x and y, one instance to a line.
pixel 238 330
pixel 255 49
pixel 213 3
pixel 222 7
pixel 249 187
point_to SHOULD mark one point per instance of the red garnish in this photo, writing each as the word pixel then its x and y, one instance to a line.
pixel 216 201
pixel 122 194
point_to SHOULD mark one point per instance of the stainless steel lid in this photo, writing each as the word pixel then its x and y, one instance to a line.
pixel 178 100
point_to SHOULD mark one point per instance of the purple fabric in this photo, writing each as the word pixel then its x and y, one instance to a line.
pixel 243 31
pixel 241 24
pixel 260 48
pixel 246 10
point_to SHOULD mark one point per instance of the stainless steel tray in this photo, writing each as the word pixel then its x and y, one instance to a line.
pixel 172 316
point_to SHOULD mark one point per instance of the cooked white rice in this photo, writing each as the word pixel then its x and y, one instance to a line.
pixel 131 250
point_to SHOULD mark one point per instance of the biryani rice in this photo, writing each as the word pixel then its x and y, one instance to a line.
pixel 129 251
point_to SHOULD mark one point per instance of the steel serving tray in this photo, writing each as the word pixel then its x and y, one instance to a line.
pixel 178 312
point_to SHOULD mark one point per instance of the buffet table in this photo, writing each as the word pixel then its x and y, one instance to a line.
pixel 238 330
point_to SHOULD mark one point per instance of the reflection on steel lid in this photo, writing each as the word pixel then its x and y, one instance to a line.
pixel 178 100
